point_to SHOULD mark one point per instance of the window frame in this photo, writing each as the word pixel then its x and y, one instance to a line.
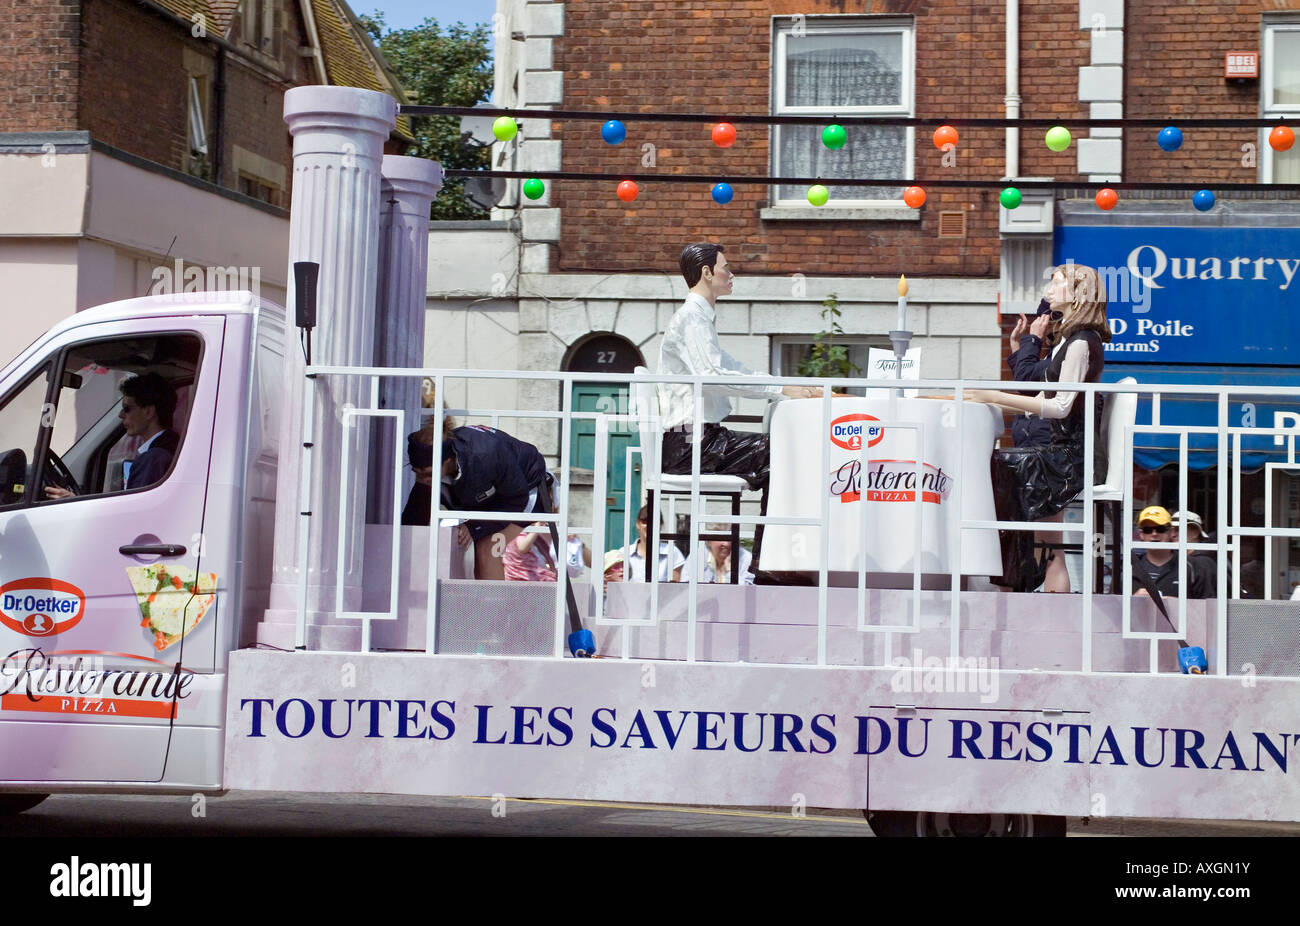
pixel 57 360
pixel 45 368
pixel 1270 27
pixel 198 120
pixel 782 29
pixel 781 341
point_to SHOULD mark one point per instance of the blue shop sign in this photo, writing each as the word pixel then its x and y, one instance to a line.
pixel 1193 295
pixel 1259 407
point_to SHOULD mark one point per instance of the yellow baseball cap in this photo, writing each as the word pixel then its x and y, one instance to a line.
pixel 1154 514
pixel 612 558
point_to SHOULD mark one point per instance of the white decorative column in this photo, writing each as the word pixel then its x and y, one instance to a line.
pixel 338 138
pixel 407 188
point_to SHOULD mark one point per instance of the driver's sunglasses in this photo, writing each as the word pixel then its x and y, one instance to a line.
pixel 1057 315
pixel 1153 529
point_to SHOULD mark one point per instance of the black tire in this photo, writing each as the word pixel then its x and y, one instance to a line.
pixel 11 804
pixel 1049 826
pixel 891 823
pixel 907 823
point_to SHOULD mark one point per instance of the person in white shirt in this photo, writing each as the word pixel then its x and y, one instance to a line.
pixel 690 348
pixel 671 560
pixel 713 561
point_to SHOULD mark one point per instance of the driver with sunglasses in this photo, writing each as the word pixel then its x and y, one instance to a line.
pixel 1161 565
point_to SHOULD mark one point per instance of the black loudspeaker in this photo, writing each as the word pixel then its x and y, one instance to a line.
pixel 305 275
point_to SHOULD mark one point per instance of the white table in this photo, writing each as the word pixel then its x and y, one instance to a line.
pixel 881 488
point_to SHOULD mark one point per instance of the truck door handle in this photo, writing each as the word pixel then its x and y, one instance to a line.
pixel 152 549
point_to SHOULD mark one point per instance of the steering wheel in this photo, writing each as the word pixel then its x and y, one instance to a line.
pixel 57 474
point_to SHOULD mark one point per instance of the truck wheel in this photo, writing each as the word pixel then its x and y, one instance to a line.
pixel 911 823
pixel 11 804
pixel 891 822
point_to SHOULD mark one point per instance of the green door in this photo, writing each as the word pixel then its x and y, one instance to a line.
pixel 608 398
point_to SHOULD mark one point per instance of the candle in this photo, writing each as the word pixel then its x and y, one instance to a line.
pixel 902 303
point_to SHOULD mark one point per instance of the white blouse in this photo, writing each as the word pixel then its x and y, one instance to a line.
pixel 1074 368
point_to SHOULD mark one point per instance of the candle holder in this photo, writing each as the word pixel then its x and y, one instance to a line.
pixel 901 341
pixel 901 337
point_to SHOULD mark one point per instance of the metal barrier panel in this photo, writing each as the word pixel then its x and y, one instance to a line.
pixel 1263 637
pixel 483 615
pixel 494 618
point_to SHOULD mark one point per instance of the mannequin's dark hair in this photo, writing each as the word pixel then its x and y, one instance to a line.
pixel 695 257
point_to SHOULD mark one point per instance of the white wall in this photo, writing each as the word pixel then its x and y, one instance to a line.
pixel 38 279
pixel 82 229
pixel 134 209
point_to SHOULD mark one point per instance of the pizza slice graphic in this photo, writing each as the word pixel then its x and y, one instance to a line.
pixel 172 599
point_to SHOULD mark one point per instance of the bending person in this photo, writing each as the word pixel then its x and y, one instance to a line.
pixel 484 469
pixel 419 453
pixel 1036 483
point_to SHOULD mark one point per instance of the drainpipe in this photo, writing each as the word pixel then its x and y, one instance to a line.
pixel 1013 86
pixel 218 160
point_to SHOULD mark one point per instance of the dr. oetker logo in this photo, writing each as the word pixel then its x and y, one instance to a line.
pixel 848 431
pixel 40 606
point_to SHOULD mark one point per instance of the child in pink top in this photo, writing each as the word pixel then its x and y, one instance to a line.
pixel 528 558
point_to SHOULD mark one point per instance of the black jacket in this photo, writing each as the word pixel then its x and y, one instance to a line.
pixel 497 472
pixel 152 465
pixel 1027 366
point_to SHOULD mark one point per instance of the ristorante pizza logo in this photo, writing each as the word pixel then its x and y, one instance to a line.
pixel 849 431
pixel 76 682
pixel 890 481
pixel 41 606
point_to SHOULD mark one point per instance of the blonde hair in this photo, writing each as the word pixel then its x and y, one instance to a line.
pixel 425 434
pixel 1086 310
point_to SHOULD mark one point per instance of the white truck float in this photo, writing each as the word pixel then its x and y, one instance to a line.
pixel 255 620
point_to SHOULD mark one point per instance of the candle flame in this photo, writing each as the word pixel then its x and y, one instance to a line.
pixel 902 286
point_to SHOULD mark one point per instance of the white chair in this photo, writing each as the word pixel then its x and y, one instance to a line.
pixel 1117 422
pixel 1117 418
pixel 645 405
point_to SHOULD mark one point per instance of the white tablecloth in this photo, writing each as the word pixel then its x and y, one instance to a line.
pixel 882 488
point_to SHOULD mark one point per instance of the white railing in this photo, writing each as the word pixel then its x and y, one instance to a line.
pixel 1227 519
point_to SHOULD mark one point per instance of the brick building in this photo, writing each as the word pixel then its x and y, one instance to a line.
pixel 136 133
pixel 578 273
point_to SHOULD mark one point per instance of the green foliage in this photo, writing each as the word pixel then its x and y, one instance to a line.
pixel 826 358
pixel 440 68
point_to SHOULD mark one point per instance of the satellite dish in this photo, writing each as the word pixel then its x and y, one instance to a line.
pixel 484 192
pixel 478 128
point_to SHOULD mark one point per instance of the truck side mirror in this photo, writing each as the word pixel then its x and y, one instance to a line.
pixel 13 476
